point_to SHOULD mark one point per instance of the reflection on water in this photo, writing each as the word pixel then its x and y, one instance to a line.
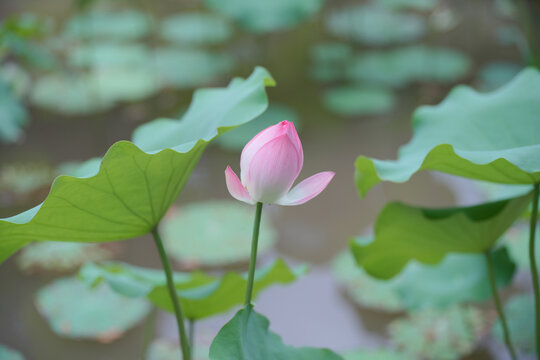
pixel 314 232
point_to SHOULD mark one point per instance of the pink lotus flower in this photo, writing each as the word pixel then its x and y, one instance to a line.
pixel 269 165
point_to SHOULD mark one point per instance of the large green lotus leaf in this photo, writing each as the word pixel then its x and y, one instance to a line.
pixel 187 68
pixel 75 311
pixel 101 206
pixel 213 233
pixel 125 24
pixel 404 233
pixel 239 137
pixel 357 101
pixel 422 5
pixel 266 16
pixel 201 295
pixel 519 313
pixel 10 354
pixel 164 350
pixel 60 256
pixel 247 337
pixel 403 66
pixel 196 28
pixel 438 335
pixel 375 355
pixel 373 25
pixel 13 114
pixel 493 137
pixel 456 279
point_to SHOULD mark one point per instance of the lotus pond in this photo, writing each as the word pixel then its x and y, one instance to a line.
pixel 119 118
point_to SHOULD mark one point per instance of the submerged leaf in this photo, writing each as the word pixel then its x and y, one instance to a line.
pixel 100 206
pixel 75 311
pixel 200 295
pixel 404 233
pixel 493 137
pixel 247 337
pixel 438 335
pixel 213 233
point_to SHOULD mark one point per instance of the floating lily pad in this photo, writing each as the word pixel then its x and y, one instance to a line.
pixel 330 61
pixel 491 137
pixel 496 74
pixel 438 335
pixel 75 311
pixel 68 95
pixel 519 311
pixel 125 24
pixel 239 137
pixel 375 355
pixel 373 25
pixel 25 177
pixel 60 256
pixel 364 289
pixel 13 114
pixel 196 28
pixel 213 233
pixel 164 350
pixel 356 100
pixel 266 16
pixel 123 83
pixel 9 354
pixel 187 68
pixel 402 66
pixel 109 54
pixel 421 5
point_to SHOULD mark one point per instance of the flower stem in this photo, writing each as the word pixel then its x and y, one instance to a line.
pixel 184 343
pixel 253 259
pixel 498 306
pixel 534 268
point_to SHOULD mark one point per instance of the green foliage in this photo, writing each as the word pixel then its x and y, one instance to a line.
pixel 239 137
pixel 101 207
pixel 517 241
pixel 492 137
pixel 25 177
pixel 162 350
pixel 330 61
pixel 105 54
pixel 266 16
pixel 60 256
pixel 122 25
pixel 404 233
pixel 496 74
pixel 247 337
pixel 375 355
pixel 519 313
pixel 75 311
pixel 421 5
pixel 458 278
pixel 403 66
pixel 435 335
pixel 373 25
pixel 9 354
pixel 13 114
pixel 196 28
pixel 212 233
pixel 355 100
pixel 200 295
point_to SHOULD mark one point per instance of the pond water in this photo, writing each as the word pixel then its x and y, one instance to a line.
pixel 312 311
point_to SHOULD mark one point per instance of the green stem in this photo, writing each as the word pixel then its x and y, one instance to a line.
pixel 499 308
pixel 184 343
pixel 534 267
pixel 253 259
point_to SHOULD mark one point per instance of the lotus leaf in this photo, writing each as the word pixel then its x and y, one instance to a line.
pixel 356 100
pixel 404 233
pixel 109 54
pixel 492 137
pixel 519 313
pixel 124 25
pixel 266 16
pixel 403 66
pixel 75 311
pixel 163 350
pixel 196 28
pixel 375 355
pixel 373 25
pixel 247 337
pixel 100 205
pixel 517 241
pixel 496 74
pixel 438 335
pixel 10 354
pixel 23 177
pixel 200 295
pixel 212 233
pixel 422 5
